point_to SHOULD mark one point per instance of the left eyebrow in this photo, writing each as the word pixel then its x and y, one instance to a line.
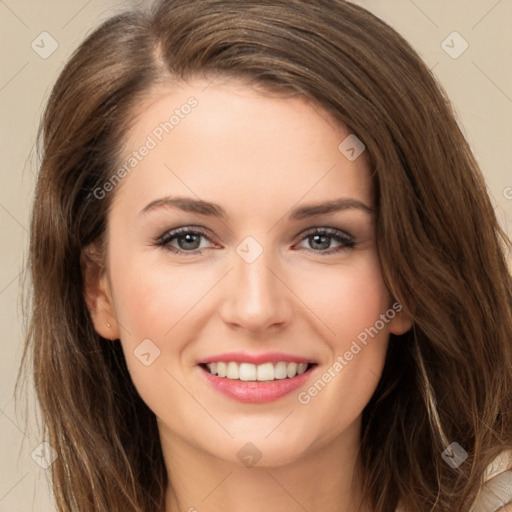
pixel 310 210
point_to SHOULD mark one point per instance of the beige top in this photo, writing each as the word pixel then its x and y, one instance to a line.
pixel 496 493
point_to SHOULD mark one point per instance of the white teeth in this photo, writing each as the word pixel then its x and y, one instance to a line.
pixel 265 372
pixel 221 369
pixel 247 371
pixel 261 372
pixel 301 368
pixel 291 370
pixel 232 371
pixel 280 370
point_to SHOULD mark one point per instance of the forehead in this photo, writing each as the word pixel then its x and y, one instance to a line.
pixel 228 139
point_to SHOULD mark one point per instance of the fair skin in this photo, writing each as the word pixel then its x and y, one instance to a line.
pixel 258 157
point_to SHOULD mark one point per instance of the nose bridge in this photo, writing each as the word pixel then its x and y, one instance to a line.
pixel 255 298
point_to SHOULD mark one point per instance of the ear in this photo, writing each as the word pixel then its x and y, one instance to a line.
pixel 401 322
pixel 98 297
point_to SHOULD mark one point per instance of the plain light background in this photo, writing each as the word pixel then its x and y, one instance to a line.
pixel 478 81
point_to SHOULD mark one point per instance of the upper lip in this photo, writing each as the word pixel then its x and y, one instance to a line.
pixel 244 357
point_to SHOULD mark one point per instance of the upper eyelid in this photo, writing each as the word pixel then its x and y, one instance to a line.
pixel 325 229
pixel 174 233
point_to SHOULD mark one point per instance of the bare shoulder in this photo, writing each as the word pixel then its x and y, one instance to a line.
pixel 496 493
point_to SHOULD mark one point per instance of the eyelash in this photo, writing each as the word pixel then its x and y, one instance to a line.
pixel 346 241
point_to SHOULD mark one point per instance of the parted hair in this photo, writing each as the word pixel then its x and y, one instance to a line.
pixel 442 251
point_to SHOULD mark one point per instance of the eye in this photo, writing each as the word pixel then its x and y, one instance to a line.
pixel 320 239
pixel 187 240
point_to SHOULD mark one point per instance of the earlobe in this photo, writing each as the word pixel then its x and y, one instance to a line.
pixel 400 323
pixel 97 294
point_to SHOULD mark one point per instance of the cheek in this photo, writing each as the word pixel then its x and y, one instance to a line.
pixel 148 303
pixel 350 302
pixel 150 299
pixel 346 298
pixel 160 303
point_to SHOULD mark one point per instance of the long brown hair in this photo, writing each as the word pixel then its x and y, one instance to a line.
pixel 442 252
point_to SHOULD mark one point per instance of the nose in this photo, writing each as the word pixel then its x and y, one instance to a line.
pixel 256 298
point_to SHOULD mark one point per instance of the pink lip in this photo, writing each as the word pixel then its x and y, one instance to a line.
pixel 244 357
pixel 254 392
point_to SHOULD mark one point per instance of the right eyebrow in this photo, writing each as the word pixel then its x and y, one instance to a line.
pixel 187 204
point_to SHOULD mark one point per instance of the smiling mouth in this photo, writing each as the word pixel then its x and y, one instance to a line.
pixel 265 372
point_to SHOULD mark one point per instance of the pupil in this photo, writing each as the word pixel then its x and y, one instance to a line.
pixel 324 245
pixel 188 240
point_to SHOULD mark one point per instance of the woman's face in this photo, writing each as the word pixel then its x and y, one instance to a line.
pixel 266 273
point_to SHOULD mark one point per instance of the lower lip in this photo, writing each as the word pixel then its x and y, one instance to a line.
pixel 255 392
